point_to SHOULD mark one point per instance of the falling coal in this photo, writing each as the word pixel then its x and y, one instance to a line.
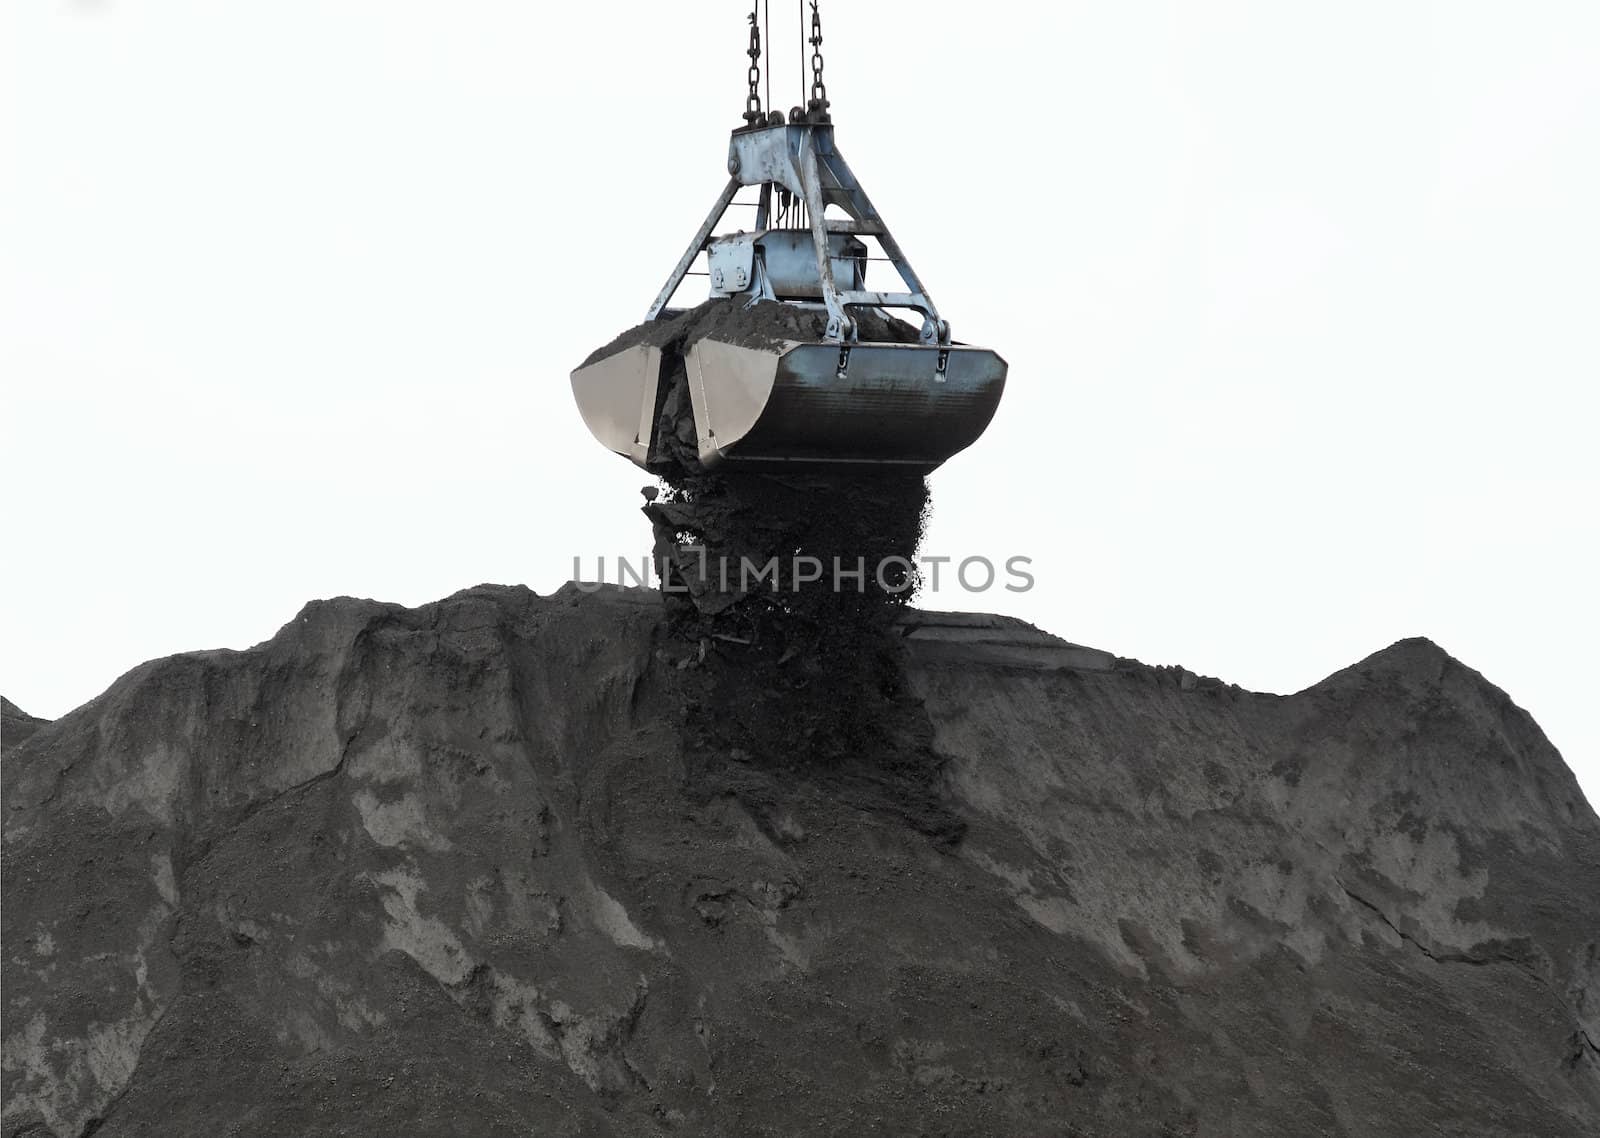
pixel 786 590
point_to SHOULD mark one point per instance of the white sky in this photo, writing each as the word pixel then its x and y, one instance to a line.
pixel 1300 302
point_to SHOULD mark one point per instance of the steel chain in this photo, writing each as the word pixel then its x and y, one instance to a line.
pixel 752 103
pixel 819 90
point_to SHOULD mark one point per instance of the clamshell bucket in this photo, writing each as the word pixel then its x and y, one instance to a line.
pixel 841 393
pixel 792 405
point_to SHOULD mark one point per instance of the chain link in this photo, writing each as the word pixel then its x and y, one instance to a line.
pixel 752 103
pixel 819 89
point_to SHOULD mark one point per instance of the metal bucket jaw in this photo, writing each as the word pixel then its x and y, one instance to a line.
pixel 616 396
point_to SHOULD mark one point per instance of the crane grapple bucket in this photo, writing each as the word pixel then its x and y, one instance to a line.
pixel 794 361
pixel 789 404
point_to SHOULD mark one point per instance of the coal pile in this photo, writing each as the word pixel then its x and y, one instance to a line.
pixel 16 724
pixel 473 868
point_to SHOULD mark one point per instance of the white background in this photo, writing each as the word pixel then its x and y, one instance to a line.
pixel 1300 301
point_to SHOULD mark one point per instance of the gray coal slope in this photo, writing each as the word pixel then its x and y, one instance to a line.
pixel 481 868
pixel 16 724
